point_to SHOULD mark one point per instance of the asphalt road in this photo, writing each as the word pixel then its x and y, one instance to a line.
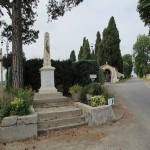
pixel 131 133
pixel 135 95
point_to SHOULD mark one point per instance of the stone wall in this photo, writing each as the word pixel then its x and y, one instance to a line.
pixel 97 115
pixel 18 127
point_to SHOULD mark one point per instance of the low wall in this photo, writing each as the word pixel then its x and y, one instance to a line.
pixel 18 127
pixel 97 115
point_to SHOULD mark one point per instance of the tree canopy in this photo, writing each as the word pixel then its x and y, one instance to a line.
pixel 141 54
pixel 143 8
pixel 72 56
pixel 127 65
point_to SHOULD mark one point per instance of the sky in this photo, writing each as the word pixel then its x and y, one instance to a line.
pixel 67 33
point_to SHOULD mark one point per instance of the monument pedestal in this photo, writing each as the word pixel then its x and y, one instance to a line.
pixel 47 80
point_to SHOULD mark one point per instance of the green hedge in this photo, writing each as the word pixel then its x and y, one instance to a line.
pixel 83 70
pixel 32 73
pixel 66 73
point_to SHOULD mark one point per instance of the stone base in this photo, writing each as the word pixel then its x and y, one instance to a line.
pixel 47 90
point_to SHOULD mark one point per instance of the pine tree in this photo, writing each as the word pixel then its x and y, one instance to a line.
pixel 97 44
pixel 72 56
pixel 111 46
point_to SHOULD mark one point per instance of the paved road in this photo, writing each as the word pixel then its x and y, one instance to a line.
pixel 135 94
pixel 134 134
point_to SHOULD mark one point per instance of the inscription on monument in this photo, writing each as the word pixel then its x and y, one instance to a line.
pixel 47 79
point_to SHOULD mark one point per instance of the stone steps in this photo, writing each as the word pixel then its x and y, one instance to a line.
pixel 51 115
pixel 75 125
pixel 59 118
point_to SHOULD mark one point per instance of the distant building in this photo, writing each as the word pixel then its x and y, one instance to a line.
pixel 111 74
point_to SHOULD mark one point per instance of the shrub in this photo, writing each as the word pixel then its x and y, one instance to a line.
pixel 83 93
pixel 20 105
pixel 107 94
pixel 97 101
pixel 94 89
pixel 75 89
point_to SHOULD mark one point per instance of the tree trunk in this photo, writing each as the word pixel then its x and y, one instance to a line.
pixel 17 58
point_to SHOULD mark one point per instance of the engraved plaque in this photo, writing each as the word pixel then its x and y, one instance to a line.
pixel 47 78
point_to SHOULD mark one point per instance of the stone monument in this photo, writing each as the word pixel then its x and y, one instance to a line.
pixel 47 92
pixel 47 71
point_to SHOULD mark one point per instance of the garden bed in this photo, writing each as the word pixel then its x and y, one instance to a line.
pixel 97 115
pixel 18 127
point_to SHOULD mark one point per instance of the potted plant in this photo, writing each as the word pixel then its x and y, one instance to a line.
pixel 75 91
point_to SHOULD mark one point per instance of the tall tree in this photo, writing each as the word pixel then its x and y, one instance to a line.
pixel 110 46
pixel 127 65
pixel 72 56
pixel 143 8
pixel 22 14
pixel 97 44
pixel 86 51
pixel 141 54
pixel 80 53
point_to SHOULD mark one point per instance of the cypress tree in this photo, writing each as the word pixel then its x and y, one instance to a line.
pixel 111 46
pixel 86 51
pixel 80 53
pixel 97 44
pixel 72 56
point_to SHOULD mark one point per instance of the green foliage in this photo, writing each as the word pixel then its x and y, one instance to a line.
pixel 127 65
pixel 83 93
pixel 107 94
pixel 80 53
pixel 64 74
pixel 141 54
pixel 94 89
pixel 97 101
pixel 110 46
pixel 83 69
pixel 32 73
pixel 75 89
pixel 97 45
pixel 72 56
pixel 5 110
pixel 143 8
pixel 20 105
pixel 85 51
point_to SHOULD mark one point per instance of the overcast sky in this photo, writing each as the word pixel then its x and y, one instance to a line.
pixel 85 20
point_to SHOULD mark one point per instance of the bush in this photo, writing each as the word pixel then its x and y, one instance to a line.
pixel 19 106
pixel 75 89
pixel 97 101
pixel 107 94
pixel 83 69
pixel 94 89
